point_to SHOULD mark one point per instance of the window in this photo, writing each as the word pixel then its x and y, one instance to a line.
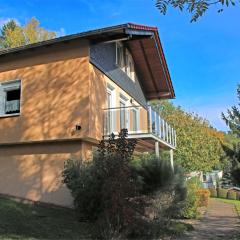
pixel 123 112
pixel 125 61
pixel 111 113
pixel 10 94
pixel 135 119
pixel 120 61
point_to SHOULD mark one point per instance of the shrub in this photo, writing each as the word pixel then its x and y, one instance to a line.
pixel 190 208
pixel 203 197
pixel 165 187
pixel 222 193
pixel 213 192
pixel 102 188
pixel 232 195
pixel 238 196
pixel 125 197
pixel 85 188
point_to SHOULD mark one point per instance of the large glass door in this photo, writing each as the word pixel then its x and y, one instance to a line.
pixel 109 112
pixel 135 120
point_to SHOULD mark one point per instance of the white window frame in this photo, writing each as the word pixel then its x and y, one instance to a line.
pixel 4 87
pixel 124 100
pixel 112 92
pixel 128 65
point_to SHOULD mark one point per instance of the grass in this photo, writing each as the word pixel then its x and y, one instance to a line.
pixel 32 221
pixel 235 202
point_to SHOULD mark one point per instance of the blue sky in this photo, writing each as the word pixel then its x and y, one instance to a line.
pixel 203 57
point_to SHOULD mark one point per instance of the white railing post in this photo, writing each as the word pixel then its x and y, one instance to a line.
pixel 175 138
pixel 167 131
pixel 160 131
pixel 163 125
pixel 170 134
pixel 150 119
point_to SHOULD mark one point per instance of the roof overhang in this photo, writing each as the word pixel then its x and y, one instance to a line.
pixel 150 62
pixel 144 44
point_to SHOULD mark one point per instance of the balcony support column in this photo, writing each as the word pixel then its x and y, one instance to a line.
pixel 171 159
pixel 157 149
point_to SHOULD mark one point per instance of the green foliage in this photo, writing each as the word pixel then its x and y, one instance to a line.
pixel 154 174
pixel 232 195
pixel 191 202
pixel 232 150
pixel 85 184
pixel 157 179
pixel 213 192
pixel 14 35
pixel 199 147
pixel 222 193
pixel 102 188
pixel 195 8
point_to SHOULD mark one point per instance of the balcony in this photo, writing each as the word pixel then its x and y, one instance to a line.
pixel 141 124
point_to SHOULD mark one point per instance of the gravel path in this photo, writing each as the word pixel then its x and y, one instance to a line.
pixel 220 222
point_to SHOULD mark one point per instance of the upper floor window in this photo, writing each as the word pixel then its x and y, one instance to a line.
pixel 10 94
pixel 125 61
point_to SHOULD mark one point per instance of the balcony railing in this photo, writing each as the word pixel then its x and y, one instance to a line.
pixel 139 121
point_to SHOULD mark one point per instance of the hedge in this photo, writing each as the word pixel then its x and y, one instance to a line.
pixel 213 192
pixel 222 193
pixel 203 197
pixel 232 195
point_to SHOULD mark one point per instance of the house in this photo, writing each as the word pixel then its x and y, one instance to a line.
pixel 211 179
pixel 59 97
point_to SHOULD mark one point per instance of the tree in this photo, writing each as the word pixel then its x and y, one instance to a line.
pixel 13 35
pixel 9 26
pixel 198 144
pixel 232 119
pixel 195 7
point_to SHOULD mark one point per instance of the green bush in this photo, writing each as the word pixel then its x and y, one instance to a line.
pixel 232 195
pixel 165 187
pixel 191 202
pixel 102 189
pixel 213 192
pixel 121 194
pixel 85 188
pixel 222 193
pixel 238 196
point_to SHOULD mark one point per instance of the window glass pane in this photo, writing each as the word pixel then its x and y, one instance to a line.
pixel 134 120
pixel 122 115
pixel 153 121
pixel 12 104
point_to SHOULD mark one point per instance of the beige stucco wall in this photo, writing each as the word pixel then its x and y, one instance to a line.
pixel 33 171
pixel 59 90
pixel 54 95
pixel 98 101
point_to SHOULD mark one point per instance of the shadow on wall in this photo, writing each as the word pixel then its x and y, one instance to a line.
pixel 34 171
pixel 55 97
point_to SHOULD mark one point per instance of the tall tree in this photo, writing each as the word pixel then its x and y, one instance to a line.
pixel 13 35
pixel 9 26
pixel 232 119
pixel 198 144
pixel 195 7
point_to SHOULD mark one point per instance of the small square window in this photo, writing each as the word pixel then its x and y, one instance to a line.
pixel 10 94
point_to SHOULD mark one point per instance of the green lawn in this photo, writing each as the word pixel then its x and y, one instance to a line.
pixel 30 221
pixel 235 202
